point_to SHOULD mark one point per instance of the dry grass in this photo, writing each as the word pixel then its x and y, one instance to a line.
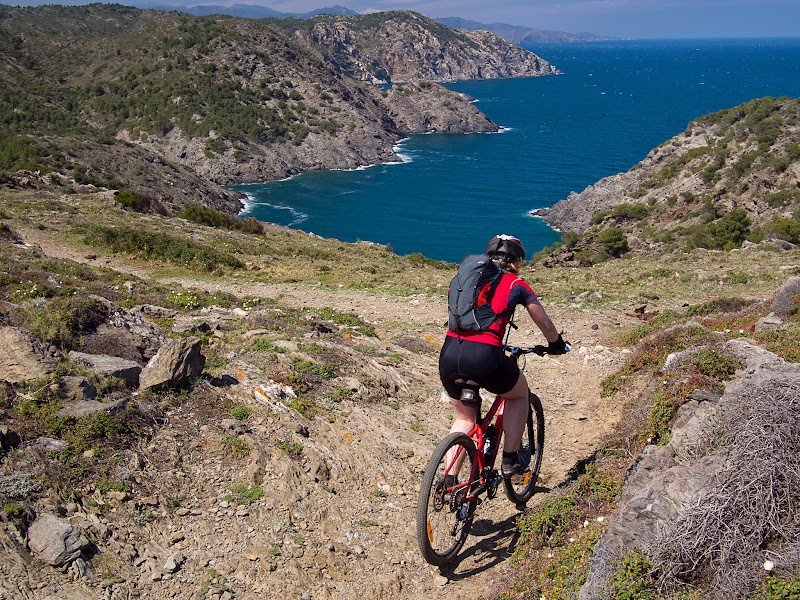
pixel 280 255
pixel 751 514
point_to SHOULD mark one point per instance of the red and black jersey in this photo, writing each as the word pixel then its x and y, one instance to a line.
pixel 511 292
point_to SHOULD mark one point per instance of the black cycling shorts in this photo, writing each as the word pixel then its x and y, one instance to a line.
pixel 487 365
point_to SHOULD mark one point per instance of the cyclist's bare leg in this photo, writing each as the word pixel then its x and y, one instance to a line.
pixel 515 414
pixel 463 422
pixel 464 417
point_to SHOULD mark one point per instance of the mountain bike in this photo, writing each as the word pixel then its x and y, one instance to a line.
pixel 462 469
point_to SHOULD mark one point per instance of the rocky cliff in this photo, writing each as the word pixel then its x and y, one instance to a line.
pixel 407 46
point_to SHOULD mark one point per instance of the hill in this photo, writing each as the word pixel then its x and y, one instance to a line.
pixel 247 11
pixel 730 178
pixel 407 46
pixel 519 34
pixel 171 106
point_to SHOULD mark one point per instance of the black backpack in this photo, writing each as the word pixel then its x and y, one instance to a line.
pixel 469 299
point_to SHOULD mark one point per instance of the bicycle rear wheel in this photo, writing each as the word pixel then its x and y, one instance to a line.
pixel 520 487
pixel 443 516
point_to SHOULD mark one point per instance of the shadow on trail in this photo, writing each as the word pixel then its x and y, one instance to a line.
pixel 490 543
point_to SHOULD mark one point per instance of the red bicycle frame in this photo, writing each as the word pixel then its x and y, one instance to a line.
pixel 481 463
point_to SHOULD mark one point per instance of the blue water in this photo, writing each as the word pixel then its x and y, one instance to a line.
pixel 614 102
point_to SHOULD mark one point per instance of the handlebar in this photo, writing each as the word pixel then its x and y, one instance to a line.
pixel 516 351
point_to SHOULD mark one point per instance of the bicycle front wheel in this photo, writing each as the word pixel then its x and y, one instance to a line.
pixel 444 516
pixel 520 487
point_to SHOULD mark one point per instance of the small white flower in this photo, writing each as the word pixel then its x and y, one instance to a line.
pixel 571 539
pixel 585 524
pixel 599 519
pixel 549 555
pixel 769 565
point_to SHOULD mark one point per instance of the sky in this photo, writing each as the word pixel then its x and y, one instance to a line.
pixel 633 19
pixel 618 18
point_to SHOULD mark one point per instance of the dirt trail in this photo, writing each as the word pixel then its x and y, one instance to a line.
pixel 338 557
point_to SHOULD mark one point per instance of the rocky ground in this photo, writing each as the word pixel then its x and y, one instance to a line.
pixel 336 519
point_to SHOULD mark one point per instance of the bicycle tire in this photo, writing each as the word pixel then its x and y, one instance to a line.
pixel 442 522
pixel 520 487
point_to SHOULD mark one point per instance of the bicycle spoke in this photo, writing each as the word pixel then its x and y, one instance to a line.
pixel 444 517
pixel 521 486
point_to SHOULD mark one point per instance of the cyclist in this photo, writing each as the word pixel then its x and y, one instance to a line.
pixel 479 357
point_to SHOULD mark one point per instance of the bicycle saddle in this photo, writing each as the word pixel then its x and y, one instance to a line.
pixel 469 391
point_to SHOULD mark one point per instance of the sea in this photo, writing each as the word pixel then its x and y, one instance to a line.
pixel 613 103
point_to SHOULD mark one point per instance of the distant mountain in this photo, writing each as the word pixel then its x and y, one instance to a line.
pixel 523 35
pixel 247 11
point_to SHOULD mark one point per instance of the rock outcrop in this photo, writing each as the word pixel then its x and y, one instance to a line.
pixel 668 482
pixel 109 366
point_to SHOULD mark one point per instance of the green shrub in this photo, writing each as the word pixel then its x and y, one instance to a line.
pixel 633 580
pixel 661 413
pixel 613 241
pixel 625 210
pixel 235 446
pixel 60 320
pixel 133 200
pixel 715 365
pixel 240 411
pixel 197 213
pixel 598 485
pixel 160 246
pixel 570 238
pixel 731 230
pixel 775 588
pixel 548 523
pixel 248 494
pixel 350 320
pixel 786 229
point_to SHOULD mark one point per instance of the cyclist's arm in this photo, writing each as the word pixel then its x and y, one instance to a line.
pixel 543 322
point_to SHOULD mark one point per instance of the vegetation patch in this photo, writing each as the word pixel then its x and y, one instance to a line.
pixel 197 213
pixel 156 246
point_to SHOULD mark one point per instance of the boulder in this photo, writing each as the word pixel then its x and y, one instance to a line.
pixel 109 366
pixel 20 357
pixel 783 303
pixel 55 541
pixel 771 322
pixel 89 408
pixel 174 365
pixel 188 325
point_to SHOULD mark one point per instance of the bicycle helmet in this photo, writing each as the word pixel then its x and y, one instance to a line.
pixel 507 245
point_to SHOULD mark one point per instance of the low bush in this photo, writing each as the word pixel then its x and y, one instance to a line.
pixel 613 241
pixel 138 202
pixel 197 213
pixel 160 246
